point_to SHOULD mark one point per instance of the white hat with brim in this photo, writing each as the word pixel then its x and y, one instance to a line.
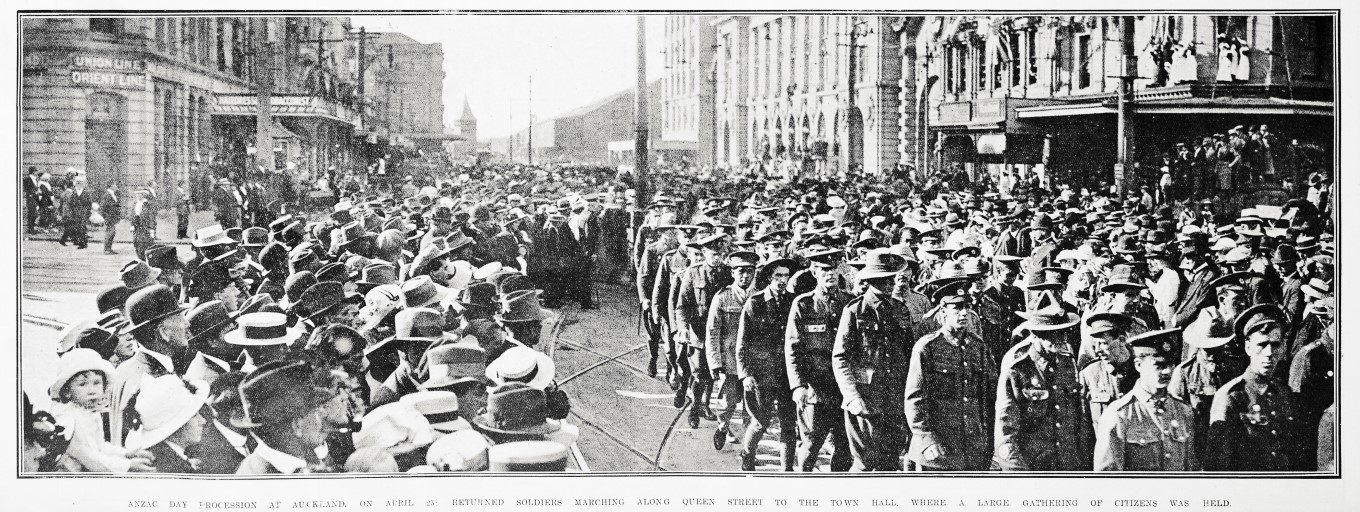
pixel 74 362
pixel 165 404
pixel 522 364
pixel 262 329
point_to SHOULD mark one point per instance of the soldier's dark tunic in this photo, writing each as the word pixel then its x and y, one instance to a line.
pixel 1254 425
pixel 870 360
pixel 1041 422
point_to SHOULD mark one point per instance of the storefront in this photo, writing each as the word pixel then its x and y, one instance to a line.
pixel 985 136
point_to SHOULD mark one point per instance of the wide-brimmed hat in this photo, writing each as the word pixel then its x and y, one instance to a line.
pixel 341 212
pixel 151 304
pixel 479 295
pixel 320 298
pixel 516 408
pixel 137 274
pixel 1052 318
pixel 206 318
pixel 262 329
pixel 879 263
pixel 397 427
pixel 455 363
pixel 440 409
pixel 421 291
pixel 75 361
pixel 211 235
pixel 1317 288
pixel 165 404
pixel 278 392
pixel 255 237
pixel 419 325
pixel 1105 322
pixel 527 456
pixel 377 274
pixel 163 257
pixel 522 364
pixel 1122 277
pixel 521 306
pixel 463 450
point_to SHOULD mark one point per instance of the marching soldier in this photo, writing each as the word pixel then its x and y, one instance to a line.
pixel 1110 375
pixel 1040 425
pixel 699 284
pixel 648 267
pixel 1148 429
pixel 721 340
pixel 998 304
pixel 949 394
pixel 663 310
pixel 760 365
pixel 1254 422
pixel 870 358
pixel 809 337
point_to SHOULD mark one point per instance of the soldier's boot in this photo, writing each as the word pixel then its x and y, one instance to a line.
pixel 789 457
pixel 748 460
pixel 707 393
pixel 651 366
pixel 720 436
pixel 681 386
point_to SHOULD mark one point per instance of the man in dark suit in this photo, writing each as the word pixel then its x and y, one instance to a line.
pixel 585 229
pixel 1198 292
pixel 77 205
pixel 224 445
pixel 31 197
pixel 143 221
pixel 113 213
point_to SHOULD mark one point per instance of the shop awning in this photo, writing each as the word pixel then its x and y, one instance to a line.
pixel 1076 109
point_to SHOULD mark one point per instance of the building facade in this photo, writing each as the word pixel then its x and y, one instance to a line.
pixel 1041 93
pixel 687 87
pixel 165 100
pixel 406 83
pixel 817 94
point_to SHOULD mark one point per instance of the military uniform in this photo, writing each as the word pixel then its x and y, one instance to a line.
pixel 1141 432
pixel 760 356
pixel 1041 424
pixel 648 267
pixel 1102 383
pixel 949 401
pixel 997 306
pixel 870 360
pixel 720 345
pixel 699 284
pixel 1254 425
pixel 664 293
pixel 1193 383
pixel 1312 377
pixel 809 337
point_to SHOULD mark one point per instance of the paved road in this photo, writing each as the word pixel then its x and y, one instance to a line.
pixel 627 420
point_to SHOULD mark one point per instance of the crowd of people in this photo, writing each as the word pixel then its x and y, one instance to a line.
pixel 916 328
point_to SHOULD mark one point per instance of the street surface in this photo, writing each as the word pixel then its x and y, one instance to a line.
pixel 627 420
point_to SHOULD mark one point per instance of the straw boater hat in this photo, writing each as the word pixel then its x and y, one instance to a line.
pixel 440 409
pixel 211 235
pixel 524 365
pixel 262 329
pixel 456 363
pixel 464 450
pixel 164 405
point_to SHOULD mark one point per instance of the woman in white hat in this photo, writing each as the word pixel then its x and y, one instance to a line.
pixel 79 394
pixel 170 422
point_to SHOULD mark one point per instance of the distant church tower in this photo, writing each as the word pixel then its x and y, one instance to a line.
pixel 467 127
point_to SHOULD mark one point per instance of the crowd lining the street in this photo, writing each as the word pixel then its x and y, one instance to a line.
pixel 930 326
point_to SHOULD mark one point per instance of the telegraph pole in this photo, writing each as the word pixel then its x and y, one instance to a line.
pixel 640 156
pixel 264 89
pixel 1124 137
pixel 531 120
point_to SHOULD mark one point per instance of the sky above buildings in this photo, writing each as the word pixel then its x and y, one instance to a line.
pixel 574 59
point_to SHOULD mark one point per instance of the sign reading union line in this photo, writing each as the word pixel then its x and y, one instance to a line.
pixel 113 80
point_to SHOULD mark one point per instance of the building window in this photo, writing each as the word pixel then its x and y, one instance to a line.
pixel 1231 26
pixel 1316 48
pixel 1013 48
pixel 1083 61
pixel 221 45
pixel 978 65
pixel 1031 57
pixel 105 25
